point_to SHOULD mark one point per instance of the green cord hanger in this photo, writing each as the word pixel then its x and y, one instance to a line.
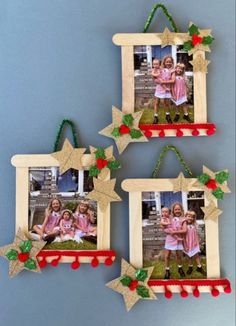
pixel 163 153
pixel 166 13
pixel 59 133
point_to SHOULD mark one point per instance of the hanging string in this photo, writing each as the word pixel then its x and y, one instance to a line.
pixel 163 153
pixel 59 133
pixel 166 13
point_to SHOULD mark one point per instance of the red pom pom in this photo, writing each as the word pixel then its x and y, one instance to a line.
pixel 101 163
pixel 184 294
pixel 162 134
pixel 196 39
pixel 179 133
pixel 108 261
pixel 211 184
pixel 23 256
pixel 210 132
pixel 124 129
pixel 195 132
pixel 42 263
pixel 94 262
pixel 227 289
pixel 54 262
pixel 196 293
pixel 133 285
pixel 215 292
pixel 148 133
pixel 168 294
pixel 75 264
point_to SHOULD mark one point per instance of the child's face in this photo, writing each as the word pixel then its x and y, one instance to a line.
pixel 177 211
pixel 190 218
pixel 179 70
pixel 56 205
pixel 83 208
pixel 165 212
pixel 168 63
pixel 66 216
pixel 156 64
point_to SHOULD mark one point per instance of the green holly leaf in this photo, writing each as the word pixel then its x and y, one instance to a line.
pixel 218 193
pixel 141 275
pixel 207 40
pixel 100 153
pixel 135 134
pixel 94 171
pixel 128 120
pixel 30 264
pixel 142 291
pixel 25 246
pixel 222 176
pixel 187 46
pixel 126 280
pixel 116 132
pixel 203 178
pixel 193 29
pixel 12 254
pixel 113 165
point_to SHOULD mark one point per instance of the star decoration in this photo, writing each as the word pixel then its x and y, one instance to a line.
pixel 22 254
pixel 211 211
pixel 69 157
pixel 200 46
pixel 181 183
pixel 123 139
pixel 129 283
pixel 199 64
pixel 167 38
pixel 103 193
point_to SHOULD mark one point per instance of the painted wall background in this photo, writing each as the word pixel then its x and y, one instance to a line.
pixel 57 60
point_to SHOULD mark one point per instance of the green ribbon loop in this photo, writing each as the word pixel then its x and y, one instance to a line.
pixel 59 133
pixel 166 13
pixel 163 153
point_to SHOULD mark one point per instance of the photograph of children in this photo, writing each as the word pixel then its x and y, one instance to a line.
pixel 163 79
pixel 58 210
pixel 173 230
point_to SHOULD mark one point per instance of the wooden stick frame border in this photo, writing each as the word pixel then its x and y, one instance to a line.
pixel 127 42
pixel 22 164
pixel 135 187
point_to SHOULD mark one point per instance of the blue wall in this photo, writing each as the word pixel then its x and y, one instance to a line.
pixel 57 60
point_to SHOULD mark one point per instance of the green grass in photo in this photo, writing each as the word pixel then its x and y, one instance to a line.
pixel 71 245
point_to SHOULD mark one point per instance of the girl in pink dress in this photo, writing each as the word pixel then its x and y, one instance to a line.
pixel 191 243
pixel 163 88
pixel 179 92
pixel 50 227
pixel 67 231
pixel 166 222
pixel 177 227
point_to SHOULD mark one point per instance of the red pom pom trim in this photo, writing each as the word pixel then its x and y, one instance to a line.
pixel 42 263
pixel 75 265
pixel 22 257
pixel 55 262
pixel 196 292
pixel 168 294
pixel 184 293
pixel 210 132
pixel 148 133
pixel 215 292
pixel 195 132
pixel 108 261
pixel 227 289
pixel 94 262
pixel 162 134
pixel 179 133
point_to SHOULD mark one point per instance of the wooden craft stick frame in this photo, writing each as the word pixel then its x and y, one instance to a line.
pixel 23 163
pixel 127 43
pixel 135 187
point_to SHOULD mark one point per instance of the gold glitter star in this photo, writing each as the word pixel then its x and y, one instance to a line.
pixel 22 254
pixel 211 211
pixel 167 38
pixel 181 183
pixel 132 296
pixel 123 141
pixel 199 64
pixel 69 157
pixel 103 193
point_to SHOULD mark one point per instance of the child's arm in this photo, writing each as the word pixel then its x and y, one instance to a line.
pixel 62 227
pixel 183 230
pixel 170 81
pixel 165 222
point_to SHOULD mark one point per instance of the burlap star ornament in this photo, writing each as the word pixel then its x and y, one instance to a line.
pixel 200 64
pixel 167 38
pixel 181 183
pixel 211 211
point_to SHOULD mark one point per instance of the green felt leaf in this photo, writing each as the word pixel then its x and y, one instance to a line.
pixel 128 120
pixel 187 46
pixel 218 193
pixel 12 254
pixel 25 246
pixel 222 176
pixel 100 153
pixel 141 275
pixel 30 264
pixel 94 171
pixel 203 178
pixel 207 40
pixel 193 29
pixel 113 165
pixel 135 134
pixel 142 291
pixel 126 280
pixel 116 132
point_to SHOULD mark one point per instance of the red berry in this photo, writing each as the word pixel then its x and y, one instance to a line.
pixel 124 129
pixel 196 39
pixel 22 257
pixel 133 285
pixel 211 184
